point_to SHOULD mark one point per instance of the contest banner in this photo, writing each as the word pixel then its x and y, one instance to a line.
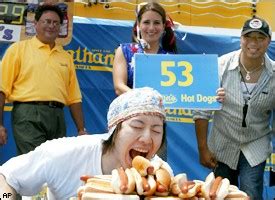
pixel 185 81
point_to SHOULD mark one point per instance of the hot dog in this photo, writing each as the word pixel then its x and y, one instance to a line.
pixel 152 186
pixel 104 196
pixel 104 185
pixel 185 189
pixel 162 198
pixel 84 178
pixel 96 184
pixel 176 182
pixel 219 188
pixel 214 187
pixel 80 192
pixel 138 181
pixel 223 189
pixel 143 166
pixel 159 183
pixel 144 185
pixel 163 180
pixel 190 189
pixel 205 188
pixel 193 188
pixel 186 186
pixel 238 195
pixel 235 193
pixel 122 181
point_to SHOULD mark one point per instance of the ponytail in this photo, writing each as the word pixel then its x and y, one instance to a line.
pixel 169 40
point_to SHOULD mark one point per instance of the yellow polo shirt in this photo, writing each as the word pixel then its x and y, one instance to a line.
pixel 31 71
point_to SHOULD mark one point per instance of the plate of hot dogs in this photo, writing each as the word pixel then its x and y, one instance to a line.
pixel 152 181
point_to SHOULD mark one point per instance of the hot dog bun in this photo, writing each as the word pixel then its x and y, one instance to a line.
pixel 138 181
pixel 144 185
pixel 142 165
pixel 176 182
pixel 163 180
pixel 131 182
pixel 235 194
pixel 100 187
pixel 205 188
pixel 152 186
pixel 162 198
pixel 193 188
pixel 80 191
pixel 96 184
pixel 122 181
pixel 220 188
pixel 104 196
pixel 223 189
pixel 215 188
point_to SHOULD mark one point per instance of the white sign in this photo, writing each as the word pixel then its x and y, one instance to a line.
pixel 10 33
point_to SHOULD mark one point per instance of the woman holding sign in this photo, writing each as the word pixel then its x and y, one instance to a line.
pixel 152 33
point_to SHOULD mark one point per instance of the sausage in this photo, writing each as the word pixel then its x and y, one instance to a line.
pixel 163 180
pixel 145 184
pixel 84 178
pixel 194 189
pixel 142 165
pixel 161 188
pixel 186 186
pixel 150 170
pixel 123 180
pixel 152 186
pixel 214 187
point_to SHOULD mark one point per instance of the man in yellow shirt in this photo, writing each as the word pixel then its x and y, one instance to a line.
pixel 39 77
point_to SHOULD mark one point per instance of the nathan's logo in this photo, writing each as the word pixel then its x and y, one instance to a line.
pixel 169 99
pixel 179 115
pixel 93 59
pixel 6 34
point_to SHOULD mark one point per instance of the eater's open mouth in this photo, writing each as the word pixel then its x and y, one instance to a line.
pixel 138 152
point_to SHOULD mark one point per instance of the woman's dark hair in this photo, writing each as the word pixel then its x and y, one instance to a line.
pixel 48 7
pixel 110 143
pixel 107 145
pixel 168 40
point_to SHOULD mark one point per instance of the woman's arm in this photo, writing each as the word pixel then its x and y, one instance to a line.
pixel 120 72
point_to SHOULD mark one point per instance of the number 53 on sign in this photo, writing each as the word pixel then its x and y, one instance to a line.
pixel 185 81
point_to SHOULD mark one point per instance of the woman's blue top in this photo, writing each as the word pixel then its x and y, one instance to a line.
pixel 129 49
